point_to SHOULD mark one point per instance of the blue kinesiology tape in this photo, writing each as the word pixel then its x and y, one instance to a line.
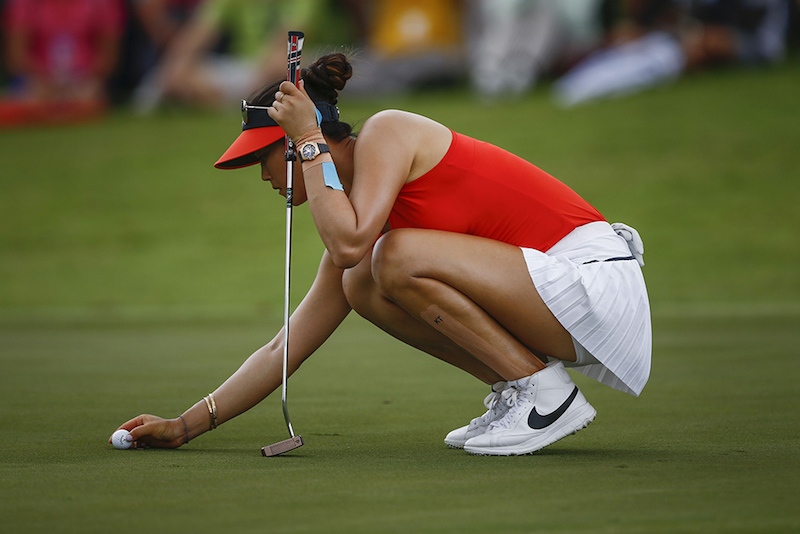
pixel 330 176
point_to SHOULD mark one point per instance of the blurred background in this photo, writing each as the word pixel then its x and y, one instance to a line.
pixel 112 112
pixel 71 60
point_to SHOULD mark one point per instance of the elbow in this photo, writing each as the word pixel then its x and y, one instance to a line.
pixel 345 257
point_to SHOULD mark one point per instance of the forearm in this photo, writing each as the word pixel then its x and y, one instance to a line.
pixel 334 217
pixel 253 381
pixel 348 234
pixel 258 376
pixel 315 319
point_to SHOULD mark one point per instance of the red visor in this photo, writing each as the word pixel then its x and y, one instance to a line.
pixel 241 152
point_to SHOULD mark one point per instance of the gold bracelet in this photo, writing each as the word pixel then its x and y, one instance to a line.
pixel 212 410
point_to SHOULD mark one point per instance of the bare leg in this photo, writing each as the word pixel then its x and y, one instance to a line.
pixel 474 291
pixel 366 299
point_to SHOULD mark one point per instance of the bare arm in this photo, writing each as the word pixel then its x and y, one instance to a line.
pixel 315 319
pixel 393 148
pixel 349 224
pixel 312 323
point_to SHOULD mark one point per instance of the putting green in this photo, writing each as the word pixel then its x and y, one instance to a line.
pixel 134 278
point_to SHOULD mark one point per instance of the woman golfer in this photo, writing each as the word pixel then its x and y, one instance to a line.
pixel 452 245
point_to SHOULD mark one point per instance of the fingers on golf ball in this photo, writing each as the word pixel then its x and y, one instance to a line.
pixel 121 439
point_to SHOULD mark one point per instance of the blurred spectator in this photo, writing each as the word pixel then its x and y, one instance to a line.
pixel 161 19
pixel 152 26
pixel 59 55
pixel 409 43
pixel 514 42
pixel 195 72
pixel 664 39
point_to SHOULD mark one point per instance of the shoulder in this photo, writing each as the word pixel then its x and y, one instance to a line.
pixel 403 128
pixel 416 141
pixel 395 119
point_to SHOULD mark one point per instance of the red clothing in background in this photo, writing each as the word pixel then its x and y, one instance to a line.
pixel 63 35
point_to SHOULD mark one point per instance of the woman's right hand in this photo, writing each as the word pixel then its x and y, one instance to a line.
pixel 294 110
pixel 152 431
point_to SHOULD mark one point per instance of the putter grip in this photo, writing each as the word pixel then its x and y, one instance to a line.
pixel 293 55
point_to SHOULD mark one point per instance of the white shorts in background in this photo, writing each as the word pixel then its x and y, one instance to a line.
pixel 601 299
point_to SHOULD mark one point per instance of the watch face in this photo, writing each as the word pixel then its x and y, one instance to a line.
pixel 308 151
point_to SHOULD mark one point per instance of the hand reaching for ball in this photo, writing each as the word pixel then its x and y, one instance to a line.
pixel 150 431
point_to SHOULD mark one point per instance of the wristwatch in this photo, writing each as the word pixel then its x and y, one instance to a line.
pixel 309 151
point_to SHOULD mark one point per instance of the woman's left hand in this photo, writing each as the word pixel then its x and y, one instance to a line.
pixel 294 110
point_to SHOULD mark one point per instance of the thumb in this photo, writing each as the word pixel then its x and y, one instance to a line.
pixel 301 85
pixel 146 429
pixel 288 88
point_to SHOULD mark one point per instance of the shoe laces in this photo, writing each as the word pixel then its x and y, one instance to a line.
pixel 510 395
pixel 515 400
pixel 493 402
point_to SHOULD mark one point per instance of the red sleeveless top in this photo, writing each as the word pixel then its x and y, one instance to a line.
pixel 482 190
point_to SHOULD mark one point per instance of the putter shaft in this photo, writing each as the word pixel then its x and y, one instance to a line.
pixel 295 47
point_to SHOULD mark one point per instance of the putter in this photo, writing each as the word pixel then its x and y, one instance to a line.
pixel 294 51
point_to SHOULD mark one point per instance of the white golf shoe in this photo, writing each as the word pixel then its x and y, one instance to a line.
pixel 497 408
pixel 542 409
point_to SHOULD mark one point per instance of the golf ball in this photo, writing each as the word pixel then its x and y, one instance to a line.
pixel 120 439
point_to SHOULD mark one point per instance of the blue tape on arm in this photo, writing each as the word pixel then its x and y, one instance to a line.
pixel 319 116
pixel 330 176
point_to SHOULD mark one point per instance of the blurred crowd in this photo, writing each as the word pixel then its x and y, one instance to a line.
pixel 69 60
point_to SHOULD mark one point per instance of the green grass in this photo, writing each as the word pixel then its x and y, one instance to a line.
pixel 134 278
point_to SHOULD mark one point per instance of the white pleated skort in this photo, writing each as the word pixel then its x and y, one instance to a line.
pixel 602 302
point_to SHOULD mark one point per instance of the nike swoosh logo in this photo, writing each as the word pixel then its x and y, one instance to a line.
pixel 537 421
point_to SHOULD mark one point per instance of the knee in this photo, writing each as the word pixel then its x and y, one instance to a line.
pixel 392 261
pixel 358 287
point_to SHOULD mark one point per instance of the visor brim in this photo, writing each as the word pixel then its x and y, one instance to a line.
pixel 241 153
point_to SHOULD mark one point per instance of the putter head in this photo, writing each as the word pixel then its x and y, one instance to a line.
pixel 282 446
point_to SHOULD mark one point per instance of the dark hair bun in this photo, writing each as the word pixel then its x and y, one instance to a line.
pixel 327 76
